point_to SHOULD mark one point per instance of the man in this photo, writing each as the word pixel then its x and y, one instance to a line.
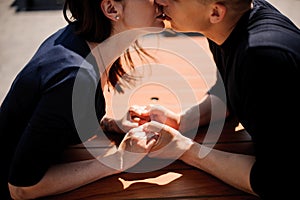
pixel 257 53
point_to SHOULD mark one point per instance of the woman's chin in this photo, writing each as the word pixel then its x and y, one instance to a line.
pixel 157 28
pixel 161 24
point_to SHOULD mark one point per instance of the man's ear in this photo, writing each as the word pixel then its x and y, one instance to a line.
pixel 218 12
pixel 111 9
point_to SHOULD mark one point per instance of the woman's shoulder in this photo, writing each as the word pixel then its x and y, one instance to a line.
pixel 65 46
pixel 60 57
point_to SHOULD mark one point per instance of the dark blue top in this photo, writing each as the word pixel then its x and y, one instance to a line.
pixel 54 101
pixel 260 66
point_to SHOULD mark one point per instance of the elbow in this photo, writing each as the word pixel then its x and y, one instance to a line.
pixel 19 192
pixel 16 192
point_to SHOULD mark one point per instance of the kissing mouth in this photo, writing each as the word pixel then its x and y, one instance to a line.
pixel 163 16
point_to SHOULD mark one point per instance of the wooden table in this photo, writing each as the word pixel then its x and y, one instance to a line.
pixel 175 181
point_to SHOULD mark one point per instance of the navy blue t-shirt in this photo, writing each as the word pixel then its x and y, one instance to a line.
pixel 260 67
pixel 55 101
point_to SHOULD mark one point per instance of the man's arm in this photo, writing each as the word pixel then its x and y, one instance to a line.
pixel 210 109
pixel 68 176
pixel 234 169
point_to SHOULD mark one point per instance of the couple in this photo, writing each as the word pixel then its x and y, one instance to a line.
pixel 256 50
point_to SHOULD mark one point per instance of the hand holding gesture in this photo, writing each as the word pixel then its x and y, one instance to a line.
pixel 153 112
pixel 171 144
pixel 122 125
pixel 132 149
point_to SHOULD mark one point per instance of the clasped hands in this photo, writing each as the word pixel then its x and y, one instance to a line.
pixel 149 130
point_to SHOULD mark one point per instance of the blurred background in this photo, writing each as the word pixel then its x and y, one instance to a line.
pixel 26 23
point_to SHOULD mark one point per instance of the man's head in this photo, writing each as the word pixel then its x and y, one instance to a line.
pixel 204 16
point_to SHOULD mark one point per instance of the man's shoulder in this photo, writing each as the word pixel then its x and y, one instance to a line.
pixel 269 28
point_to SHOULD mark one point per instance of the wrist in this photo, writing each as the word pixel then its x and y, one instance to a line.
pixel 187 156
pixel 110 125
pixel 195 155
pixel 112 161
pixel 105 124
pixel 181 123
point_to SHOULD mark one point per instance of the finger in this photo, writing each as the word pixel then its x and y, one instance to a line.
pixel 150 144
pixel 155 107
pixel 134 112
pixel 144 121
pixel 150 107
pixel 133 107
pixel 130 125
pixel 137 109
pixel 125 125
pixel 137 117
pixel 154 126
pixel 152 135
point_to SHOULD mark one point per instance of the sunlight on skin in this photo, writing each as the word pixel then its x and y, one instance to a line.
pixel 106 52
pixel 160 180
pixel 239 127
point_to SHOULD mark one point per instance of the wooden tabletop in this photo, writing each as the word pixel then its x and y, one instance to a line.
pixel 176 180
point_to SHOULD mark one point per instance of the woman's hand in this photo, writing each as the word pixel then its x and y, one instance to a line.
pixel 144 114
pixel 136 145
pixel 121 126
pixel 139 115
pixel 171 144
pixel 133 148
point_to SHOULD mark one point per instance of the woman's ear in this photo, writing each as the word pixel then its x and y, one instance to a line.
pixel 218 12
pixel 111 9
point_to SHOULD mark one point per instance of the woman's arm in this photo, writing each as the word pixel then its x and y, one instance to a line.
pixel 68 176
pixel 62 178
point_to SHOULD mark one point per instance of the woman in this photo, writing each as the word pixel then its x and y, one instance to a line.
pixel 36 117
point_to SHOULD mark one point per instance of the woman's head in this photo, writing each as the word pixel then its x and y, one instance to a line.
pixel 135 14
pixel 97 20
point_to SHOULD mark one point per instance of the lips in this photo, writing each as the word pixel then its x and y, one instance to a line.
pixel 163 16
pixel 167 17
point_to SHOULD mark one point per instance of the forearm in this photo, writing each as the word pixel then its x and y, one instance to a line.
pixel 64 177
pixel 233 169
pixel 209 109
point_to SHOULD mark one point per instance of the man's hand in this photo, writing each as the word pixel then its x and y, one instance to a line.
pixel 144 114
pixel 171 144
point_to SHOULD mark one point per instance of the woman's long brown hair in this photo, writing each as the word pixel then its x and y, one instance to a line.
pixel 94 26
